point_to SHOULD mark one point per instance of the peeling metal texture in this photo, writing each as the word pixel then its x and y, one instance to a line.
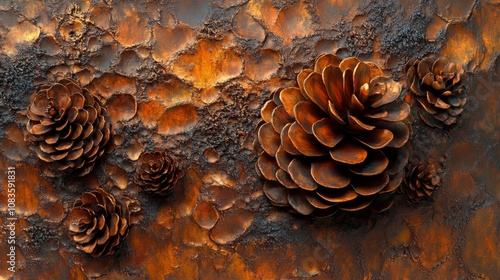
pixel 190 77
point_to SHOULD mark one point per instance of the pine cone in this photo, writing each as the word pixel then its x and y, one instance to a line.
pixel 438 87
pixel 157 172
pixel 99 223
pixel 422 181
pixel 336 141
pixel 68 126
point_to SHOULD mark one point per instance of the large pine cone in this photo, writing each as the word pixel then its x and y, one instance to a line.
pixel 68 125
pixel 422 180
pixel 335 142
pixel 158 172
pixel 438 87
pixel 99 223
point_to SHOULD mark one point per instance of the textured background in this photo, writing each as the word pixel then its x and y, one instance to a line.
pixel 190 76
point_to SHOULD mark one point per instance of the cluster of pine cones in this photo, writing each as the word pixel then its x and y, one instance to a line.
pixel 68 128
pixel 338 140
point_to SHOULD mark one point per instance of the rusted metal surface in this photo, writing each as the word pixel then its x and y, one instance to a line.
pixel 190 77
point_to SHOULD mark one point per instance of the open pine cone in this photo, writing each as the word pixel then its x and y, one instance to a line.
pixel 68 126
pixel 99 223
pixel 336 141
pixel 158 172
pixel 422 181
pixel 438 87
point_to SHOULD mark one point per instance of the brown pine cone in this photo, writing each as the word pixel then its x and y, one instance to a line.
pixel 99 223
pixel 438 87
pixel 68 126
pixel 157 172
pixel 422 181
pixel 336 141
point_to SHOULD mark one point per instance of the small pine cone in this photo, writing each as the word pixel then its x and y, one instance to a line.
pixel 99 223
pixel 421 182
pixel 158 172
pixel 68 126
pixel 337 141
pixel 437 85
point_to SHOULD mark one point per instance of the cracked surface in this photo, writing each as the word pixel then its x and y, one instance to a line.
pixel 190 77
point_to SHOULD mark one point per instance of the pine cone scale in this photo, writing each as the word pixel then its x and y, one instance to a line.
pixel 326 60
pixel 38 129
pixel 357 126
pixel 269 139
pixel 375 163
pixel 279 118
pixel 318 202
pixel 286 142
pixel 276 194
pixel 361 76
pixel 316 91
pixel 383 91
pixel 304 142
pixel 375 139
pixel 299 203
pixel 289 97
pixel 400 132
pixel 337 195
pixel 424 67
pixel 306 114
pixel 83 238
pixel 329 174
pixel 75 154
pixel 59 93
pixel 60 156
pixel 300 172
pixel 393 184
pixel 78 100
pixel 359 203
pixel 46 121
pixel 438 66
pixel 93 115
pixel 325 133
pixel 373 185
pixel 348 63
pixel 39 105
pixel 104 237
pixel 285 180
pixel 392 112
pixel 348 152
pixel 334 115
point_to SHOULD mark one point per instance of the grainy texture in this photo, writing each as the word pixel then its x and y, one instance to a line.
pixel 190 77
